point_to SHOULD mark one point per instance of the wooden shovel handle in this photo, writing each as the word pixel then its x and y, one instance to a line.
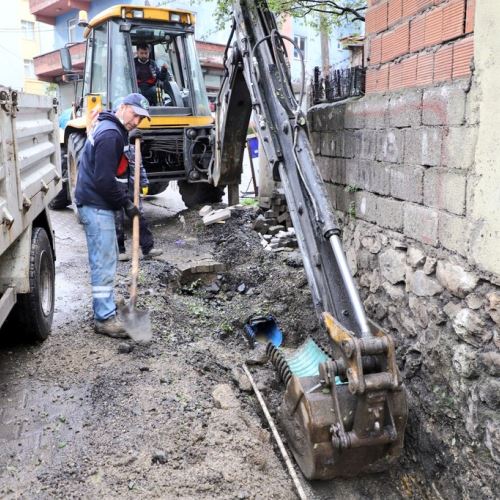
pixel 135 224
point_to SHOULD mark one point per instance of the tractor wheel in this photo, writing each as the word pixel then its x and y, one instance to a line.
pixel 76 141
pixel 199 193
pixel 62 199
pixel 157 187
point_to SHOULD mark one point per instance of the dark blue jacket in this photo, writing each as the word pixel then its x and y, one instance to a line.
pixel 102 160
pixel 149 73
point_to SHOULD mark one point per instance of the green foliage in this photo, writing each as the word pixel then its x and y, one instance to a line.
pixel 250 202
pixel 352 209
pixel 226 327
pixel 322 14
pixel 352 188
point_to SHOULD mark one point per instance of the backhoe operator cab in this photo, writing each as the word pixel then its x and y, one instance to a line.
pixel 177 142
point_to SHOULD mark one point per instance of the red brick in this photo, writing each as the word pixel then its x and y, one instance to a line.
pixel 395 76
pixel 443 63
pixel 409 68
pixel 425 68
pixel 383 78
pixel 376 50
pixel 417 34
pixel 388 42
pixel 434 27
pixel 453 19
pixel 402 34
pixel 396 42
pixel 422 4
pixel 463 52
pixel 395 11
pixel 469 20
pixel 371 80
pixel 376 18
pixel 377 80
pixel 410 7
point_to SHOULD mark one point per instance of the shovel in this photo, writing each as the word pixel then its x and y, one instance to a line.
pixel 137 323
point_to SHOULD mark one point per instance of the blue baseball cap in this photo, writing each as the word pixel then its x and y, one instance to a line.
pixel 139 104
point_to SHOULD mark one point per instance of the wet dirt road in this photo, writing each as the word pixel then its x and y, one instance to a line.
pixel 86 416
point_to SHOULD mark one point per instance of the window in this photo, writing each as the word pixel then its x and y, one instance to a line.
pixel 72 24
pixel 28 29
pixel 99 63
pixel 29 68
pixel 121 73
pixel 300 43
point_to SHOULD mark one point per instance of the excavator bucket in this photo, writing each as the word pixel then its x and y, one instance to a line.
pixel 342 419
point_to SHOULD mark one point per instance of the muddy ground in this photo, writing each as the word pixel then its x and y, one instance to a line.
pixel 83 418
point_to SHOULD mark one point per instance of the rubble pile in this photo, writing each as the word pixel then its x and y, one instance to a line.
pixel 275 227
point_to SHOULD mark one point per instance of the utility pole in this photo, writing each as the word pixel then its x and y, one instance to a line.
pixel 324 34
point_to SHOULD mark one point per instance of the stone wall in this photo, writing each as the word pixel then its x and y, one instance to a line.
pixel 403 170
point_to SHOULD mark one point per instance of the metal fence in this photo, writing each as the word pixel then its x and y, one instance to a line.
pixel 339 84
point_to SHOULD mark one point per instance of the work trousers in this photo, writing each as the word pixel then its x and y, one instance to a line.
pixel 146 240
pixel 149 92
pixel 99 225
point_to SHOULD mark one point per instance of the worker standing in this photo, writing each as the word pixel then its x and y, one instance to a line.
pixel 98 195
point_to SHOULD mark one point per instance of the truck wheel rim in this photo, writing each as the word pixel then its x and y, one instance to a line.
pixel 46 288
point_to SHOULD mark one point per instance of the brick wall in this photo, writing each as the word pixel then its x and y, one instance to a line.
pixel 400 165
pixel 412 43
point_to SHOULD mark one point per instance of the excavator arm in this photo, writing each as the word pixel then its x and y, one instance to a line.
pixel 349 418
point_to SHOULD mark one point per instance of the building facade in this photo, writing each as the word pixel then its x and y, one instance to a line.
pixel 22 38
pixel 211 41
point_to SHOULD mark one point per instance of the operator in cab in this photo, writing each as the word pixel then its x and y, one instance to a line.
pixel 148 73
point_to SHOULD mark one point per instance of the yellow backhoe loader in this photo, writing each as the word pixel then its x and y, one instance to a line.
pixel 176 143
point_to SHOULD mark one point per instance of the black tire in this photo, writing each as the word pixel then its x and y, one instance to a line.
pixel 32 315
pixel 157 187
pixel 62 199
pixel 76 142
pixel 199 193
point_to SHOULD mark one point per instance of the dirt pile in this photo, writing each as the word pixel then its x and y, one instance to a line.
pixel 175 418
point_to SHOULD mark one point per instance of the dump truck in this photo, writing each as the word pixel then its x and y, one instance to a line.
pixel 344 412
pixel 30 177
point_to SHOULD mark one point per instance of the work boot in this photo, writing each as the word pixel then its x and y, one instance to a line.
pixel 112 327
pixel 150 254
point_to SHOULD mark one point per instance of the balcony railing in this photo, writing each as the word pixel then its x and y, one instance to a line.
pixel 48 66
pixel 337 85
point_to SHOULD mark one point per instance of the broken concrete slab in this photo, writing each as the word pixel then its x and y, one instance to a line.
pixel 188 270
pixel 217 216
pixel 276 229
pixel 205 210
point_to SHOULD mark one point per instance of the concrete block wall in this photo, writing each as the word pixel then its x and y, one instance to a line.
pixel 411 43
pixel 402 166
pixel 409 152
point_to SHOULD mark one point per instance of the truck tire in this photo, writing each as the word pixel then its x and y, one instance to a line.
pixel 199 193
pixel 62 199
pixel 33 312
pixel 76 142
pixel 157 187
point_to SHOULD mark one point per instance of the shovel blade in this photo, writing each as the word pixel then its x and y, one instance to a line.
pixel 137 323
